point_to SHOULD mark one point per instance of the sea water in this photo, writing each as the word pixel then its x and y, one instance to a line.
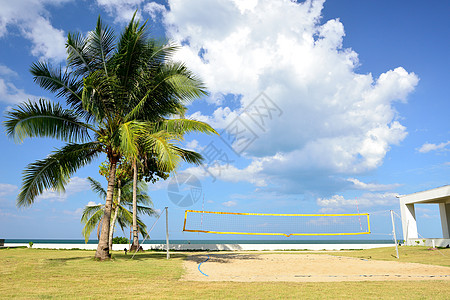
pixel 207 241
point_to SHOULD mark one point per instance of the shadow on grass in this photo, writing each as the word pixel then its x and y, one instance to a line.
pixel 143 256
pixel 13 247
pixel 66 259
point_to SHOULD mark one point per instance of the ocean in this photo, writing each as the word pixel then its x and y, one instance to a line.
pixel 285 241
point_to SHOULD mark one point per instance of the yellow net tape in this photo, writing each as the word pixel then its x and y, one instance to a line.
pixel 275 224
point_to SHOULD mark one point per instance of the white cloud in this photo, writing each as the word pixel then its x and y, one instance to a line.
pixel 76 185
pixel 193 145
pixel 7 214
pixel 230 203
pixel 7 189
pixel 75 213
pixel 92 203
pixel 339 203
pixel 230 173
pixel 5 71
pixel 154 9
pixel 159 185
pixel 48 42
pixel 32 19
pixel 373 187
pixel 10 94
pixel 122 10
pixel 334 122
pixel 427 147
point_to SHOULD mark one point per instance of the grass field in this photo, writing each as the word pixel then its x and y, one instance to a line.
pixel 45 274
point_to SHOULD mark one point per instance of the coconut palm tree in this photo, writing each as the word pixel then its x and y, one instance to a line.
pixel 148 138
pixel 109 86
pixel 150 135
pixel 122 201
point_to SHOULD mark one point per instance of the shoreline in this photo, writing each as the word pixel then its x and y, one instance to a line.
pixel 211 247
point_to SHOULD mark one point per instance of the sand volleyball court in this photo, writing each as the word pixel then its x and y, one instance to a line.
pixel 306 267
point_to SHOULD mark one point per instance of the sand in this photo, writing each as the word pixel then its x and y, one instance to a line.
pixel 307 267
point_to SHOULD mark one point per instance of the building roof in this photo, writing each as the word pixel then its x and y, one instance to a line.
pixel 437 195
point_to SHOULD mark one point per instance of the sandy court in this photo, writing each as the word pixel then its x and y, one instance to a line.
pixel 306 267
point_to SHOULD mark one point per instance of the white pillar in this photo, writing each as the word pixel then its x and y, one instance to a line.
pixel 409 223
pixel 444 209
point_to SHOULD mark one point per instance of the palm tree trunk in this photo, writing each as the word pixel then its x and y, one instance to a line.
pixel 102 252
pixel 116 210
pixel 135 232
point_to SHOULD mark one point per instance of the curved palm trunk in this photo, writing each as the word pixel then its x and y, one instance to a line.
pixel 116 210
pixel 135 244
pixel 102 252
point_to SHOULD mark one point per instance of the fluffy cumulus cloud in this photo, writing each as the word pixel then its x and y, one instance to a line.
pixel 31 18
pixel 229 172
pixel 321 121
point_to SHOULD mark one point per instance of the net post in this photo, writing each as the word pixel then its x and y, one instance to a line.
pixel 393 231
pixel 167 232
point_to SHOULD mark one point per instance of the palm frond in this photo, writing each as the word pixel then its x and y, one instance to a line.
pixel 45 119
pixel 63 84
pixel 124 217
pixel 141 193
pixel 101 46
pixel 89 211
pixel 92 215
pixel 182 126
pixel 97 96
pixel 78 58
pixel 54 171
pixel 189 156
pixel 186 85
pixel 142 227
pixel 146 210
pixel 161 144
pixel 129 134
pixel 126 220
pixel 97 188
pixel 131 51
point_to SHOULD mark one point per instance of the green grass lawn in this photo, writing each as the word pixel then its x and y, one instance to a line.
pixel 42 274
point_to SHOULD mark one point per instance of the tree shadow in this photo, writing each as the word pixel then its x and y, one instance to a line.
pixel 143 256
pixel 63 260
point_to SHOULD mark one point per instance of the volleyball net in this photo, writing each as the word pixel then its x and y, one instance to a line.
pixel 275 224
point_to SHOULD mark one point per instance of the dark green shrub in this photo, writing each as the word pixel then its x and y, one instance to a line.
pixel 120 240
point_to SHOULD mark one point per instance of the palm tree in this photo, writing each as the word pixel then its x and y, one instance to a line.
pixel 158 142
pixel 149 135
pixel 92 214
pixel 108 86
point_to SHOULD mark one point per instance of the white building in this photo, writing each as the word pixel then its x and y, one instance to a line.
pixel 439 196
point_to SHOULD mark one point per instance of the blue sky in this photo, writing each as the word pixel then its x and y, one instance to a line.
pixel 357 93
